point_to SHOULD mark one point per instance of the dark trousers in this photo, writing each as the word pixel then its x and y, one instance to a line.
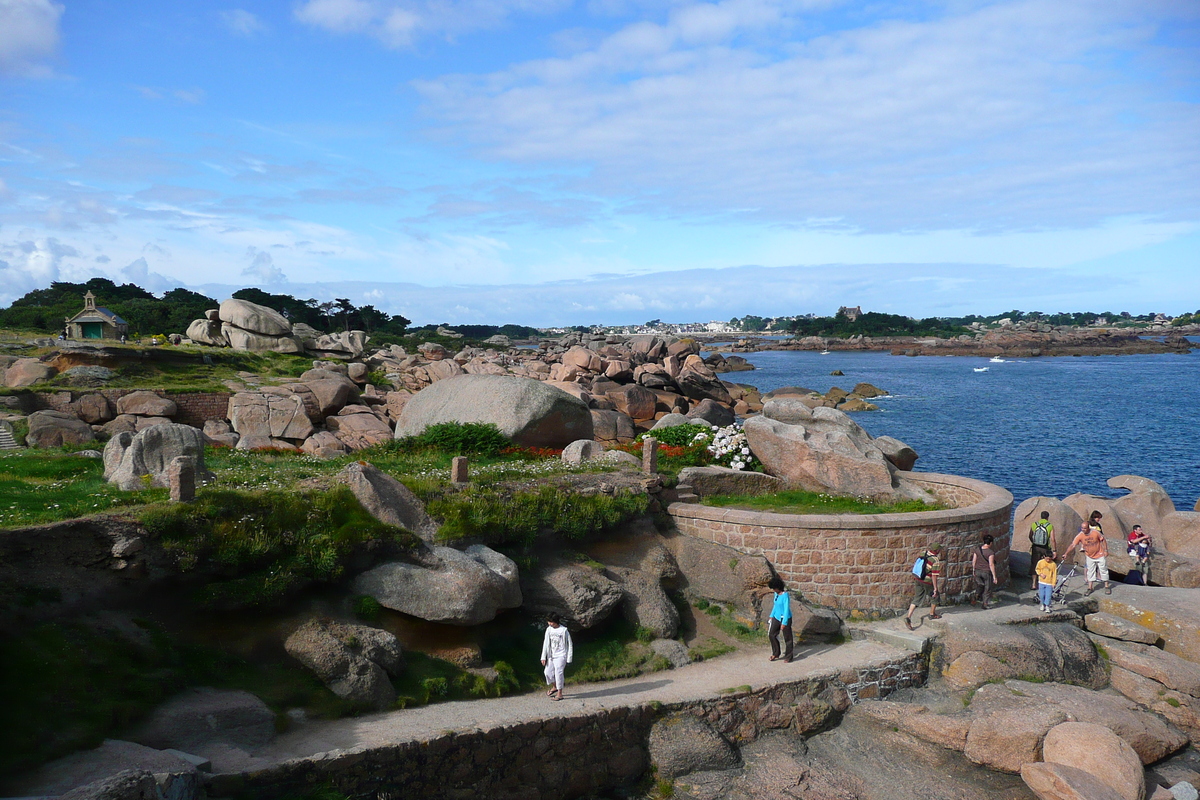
pixel 773 635
pixel 983 586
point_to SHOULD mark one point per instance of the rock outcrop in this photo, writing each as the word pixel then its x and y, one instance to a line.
pixel 133 461
pixel 442 584
pixel 198 718
pixel 580 594
pixel 354 661
pixel 56 428
pixel 528 412
pixel 388 500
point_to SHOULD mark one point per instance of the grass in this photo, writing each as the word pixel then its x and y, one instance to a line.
pixel 40 486
pixel 801 502
pixel 709 648
pixel 266 545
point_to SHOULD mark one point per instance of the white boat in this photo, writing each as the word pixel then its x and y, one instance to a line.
pixel 996 360
pixel 981 369
pixel 824 352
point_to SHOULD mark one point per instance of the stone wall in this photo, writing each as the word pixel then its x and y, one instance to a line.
pixel 862 563
pixel 194 407
pixel 569 756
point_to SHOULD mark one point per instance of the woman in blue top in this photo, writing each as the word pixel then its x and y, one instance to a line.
pixel 781 619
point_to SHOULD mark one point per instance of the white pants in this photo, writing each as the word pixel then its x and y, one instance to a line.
pixel 1097 569
pixel 554 671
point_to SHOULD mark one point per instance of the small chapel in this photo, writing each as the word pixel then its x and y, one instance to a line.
pixel 95 322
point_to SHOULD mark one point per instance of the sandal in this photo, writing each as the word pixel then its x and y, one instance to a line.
pixel 1108 590
pixel 939 616
pixel 908 623
pixel 773 658
pixel 558 697
pixel 551 693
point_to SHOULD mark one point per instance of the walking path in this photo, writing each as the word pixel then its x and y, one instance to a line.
pixel 708 679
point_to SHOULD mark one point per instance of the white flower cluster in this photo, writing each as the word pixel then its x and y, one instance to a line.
pixel 729 446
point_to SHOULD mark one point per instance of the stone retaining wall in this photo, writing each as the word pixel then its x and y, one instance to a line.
pixel 861 563
pixel 194 407
pixel 567 756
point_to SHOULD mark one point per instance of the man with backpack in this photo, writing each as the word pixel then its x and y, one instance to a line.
pixel 927 583
pixel 1041 543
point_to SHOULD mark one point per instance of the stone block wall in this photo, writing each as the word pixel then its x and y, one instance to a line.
pixel 572 756
pixel 195 408
pixel 863 563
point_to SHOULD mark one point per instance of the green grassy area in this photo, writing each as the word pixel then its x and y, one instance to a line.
pixel 39 486
pixel 800 502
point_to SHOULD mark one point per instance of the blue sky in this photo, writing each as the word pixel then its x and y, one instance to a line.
pixel 551 162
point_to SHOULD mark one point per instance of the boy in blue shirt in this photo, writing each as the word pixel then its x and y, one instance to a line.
pixel 781 620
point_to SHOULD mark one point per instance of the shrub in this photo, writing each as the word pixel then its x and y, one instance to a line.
pixel 457 438
pixel 500 516
pixel 678 435
pixel 263 546
pixel 367 608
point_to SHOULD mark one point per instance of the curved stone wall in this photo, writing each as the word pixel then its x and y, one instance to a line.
pixel 862 562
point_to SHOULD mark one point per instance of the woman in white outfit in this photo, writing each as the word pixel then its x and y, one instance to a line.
pixel 557 652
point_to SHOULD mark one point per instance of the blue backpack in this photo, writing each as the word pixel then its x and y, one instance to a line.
pixel 920 568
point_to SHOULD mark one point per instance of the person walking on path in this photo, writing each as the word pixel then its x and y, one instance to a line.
pixel 557 652
pixel 1041 543
pixel 983 566
pixel 781 621
pixel 927 585
pixel 1095 550
pixel 1047 576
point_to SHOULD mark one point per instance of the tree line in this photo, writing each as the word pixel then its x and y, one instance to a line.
pixel 45 310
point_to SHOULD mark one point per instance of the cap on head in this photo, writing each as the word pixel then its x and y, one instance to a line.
pixel 935 548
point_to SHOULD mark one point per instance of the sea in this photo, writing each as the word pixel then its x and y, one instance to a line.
pixel 1049 426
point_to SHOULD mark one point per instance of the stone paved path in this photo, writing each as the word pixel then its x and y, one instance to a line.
pixel 695 681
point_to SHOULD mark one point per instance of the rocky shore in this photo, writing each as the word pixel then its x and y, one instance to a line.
pixel 1027 341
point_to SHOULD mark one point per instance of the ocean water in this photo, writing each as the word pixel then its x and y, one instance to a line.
pixel 1041 426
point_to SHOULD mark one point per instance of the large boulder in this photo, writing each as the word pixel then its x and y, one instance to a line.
pixel 1065 520
pixel 636 401
pixel 146 404
pixel 828 454
pixel 455 587
pixel 999 706
pixel 1114 627
pixel 129 457
pixel 94 409
pixel 897 452
pixel 358 427
pixel 1180 534
pixel 971 654
pixel 275 416
pixel 354 661
pixel 324 392
pixel 526 411
pixel 1146 504
pixel 241 339
pixel 26 372
pixel 723 480
pixel 645 603
pixel 1171 613
pixel 1051 781
pixel 1115 530
pixel 684 743
pixel 351 343
pixel 712 412
pixel 254 318
pixel 718 573
pixel 207 331
pixel 197 718
pixel 1098 751
pixel 388 500
pixel 612 426
pixel 57 428
pixel 580 594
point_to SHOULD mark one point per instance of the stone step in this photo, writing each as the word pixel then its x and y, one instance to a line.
pixel 7 442
pixel 890 634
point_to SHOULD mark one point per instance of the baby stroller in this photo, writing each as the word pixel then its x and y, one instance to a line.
pixel 1061 588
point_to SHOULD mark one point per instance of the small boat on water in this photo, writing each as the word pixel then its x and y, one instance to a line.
pixel 981 369
pixel 996 360
pixel 824 352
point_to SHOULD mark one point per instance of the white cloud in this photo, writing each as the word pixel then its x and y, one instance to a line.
pixel 262 267
pixel 1012 115
pixel 32 264
pixel 397 23
pixel 242 22
pixel 28 35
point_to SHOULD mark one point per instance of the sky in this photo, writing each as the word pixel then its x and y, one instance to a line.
pixel 551 162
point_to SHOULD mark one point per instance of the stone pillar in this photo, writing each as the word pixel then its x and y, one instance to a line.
pixel 181 477
pixel 458 471
pixel 650 455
